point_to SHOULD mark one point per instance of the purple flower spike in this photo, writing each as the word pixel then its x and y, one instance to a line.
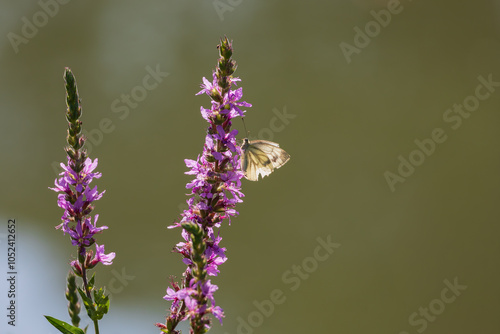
pixel 214 193
pixel 75 195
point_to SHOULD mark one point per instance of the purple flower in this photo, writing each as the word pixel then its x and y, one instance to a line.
pixel 105 259
pixel 75 195
pixel 76 198
pixel 218 313
pixel 214 192
pixel 82 234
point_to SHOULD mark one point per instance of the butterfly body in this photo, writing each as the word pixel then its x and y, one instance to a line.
pixel 261 157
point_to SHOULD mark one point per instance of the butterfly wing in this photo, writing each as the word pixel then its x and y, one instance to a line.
pixel 261 157
pixel 276 155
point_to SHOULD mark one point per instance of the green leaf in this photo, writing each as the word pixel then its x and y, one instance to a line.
pixel 102 303
pixel 89 305
pixel 91 282
pixel 64 327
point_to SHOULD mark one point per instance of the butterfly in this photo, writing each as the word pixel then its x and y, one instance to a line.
pixel 261 157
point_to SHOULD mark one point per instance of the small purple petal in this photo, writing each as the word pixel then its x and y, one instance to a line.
pixel 105 259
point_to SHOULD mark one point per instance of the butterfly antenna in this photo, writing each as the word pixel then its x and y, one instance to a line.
pixel 244 125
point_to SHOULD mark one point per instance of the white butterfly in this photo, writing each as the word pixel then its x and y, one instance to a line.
pixel 261 157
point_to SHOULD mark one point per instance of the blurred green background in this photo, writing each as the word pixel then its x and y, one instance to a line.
pixel 360 82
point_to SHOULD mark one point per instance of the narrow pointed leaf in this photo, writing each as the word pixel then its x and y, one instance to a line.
pixel 64 327
pixel 89 305
pixel 91 282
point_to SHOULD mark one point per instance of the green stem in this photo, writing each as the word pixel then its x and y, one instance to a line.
pixel 96 326
pixel 85 283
